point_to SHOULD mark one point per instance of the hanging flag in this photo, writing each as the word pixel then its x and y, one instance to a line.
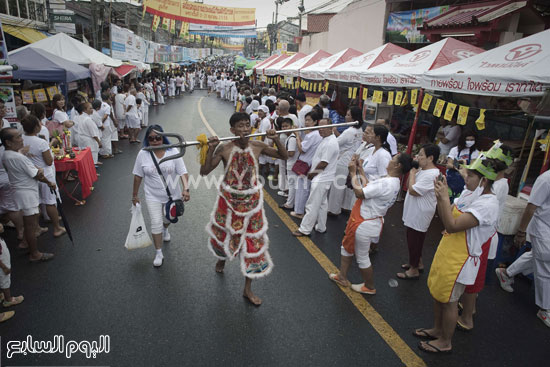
pixel 165 24
pixel 462 115
pixel 390 98
pixel 172 26
pixel 350 93
pixel 365 93
pixel 296 85
pixel 377 96
pixel 438 109
pixel 480 122
pixel 426 101
pixel 450 111
pixel 155 24
pixel 405 99
pixel 326 87
pixel 414 96
pixel 354 93
pixel 398 98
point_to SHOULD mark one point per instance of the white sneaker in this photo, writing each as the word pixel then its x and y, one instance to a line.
pixel 504 280
pixel 159 257
pixel 166 235
pixel 281 193
pixel 544 316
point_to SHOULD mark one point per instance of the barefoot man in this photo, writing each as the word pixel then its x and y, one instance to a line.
pixel 238 225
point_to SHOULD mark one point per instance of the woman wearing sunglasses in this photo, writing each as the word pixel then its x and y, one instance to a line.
pixel 176 177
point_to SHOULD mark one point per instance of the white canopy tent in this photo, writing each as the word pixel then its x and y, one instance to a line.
pixel 317 70
pixel 407 70
pixel 517 69
pixel 71 49
pixel 350 70
pixel 274 68
pixel 261 69
pixel 293 69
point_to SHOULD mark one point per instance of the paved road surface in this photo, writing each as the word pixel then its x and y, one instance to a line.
pixel 184 314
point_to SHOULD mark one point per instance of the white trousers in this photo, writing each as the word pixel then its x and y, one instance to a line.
pixel 156 213
pixel 338 190
pixel 316 208
pixel 106 142
pixel 222 93
pixel 302 194
pixel 171 91
pixel 537 260
pixel 145 109
pixel 160 97
pixel 292 178
pixel 283 183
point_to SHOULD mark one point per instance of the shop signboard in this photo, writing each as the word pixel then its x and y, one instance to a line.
pixel 403 26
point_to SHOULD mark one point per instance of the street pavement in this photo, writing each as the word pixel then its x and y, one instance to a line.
pixel 184 314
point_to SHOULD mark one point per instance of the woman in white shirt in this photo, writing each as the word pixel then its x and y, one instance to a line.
pixel 348 141
pixel 464 153
pixel 419 208
pixel 88 133
pixel 59 115
pixel 307 148
pixel 457 259
pixel 374 198
pixel 173 170
pixel 375 164
pixel 41 156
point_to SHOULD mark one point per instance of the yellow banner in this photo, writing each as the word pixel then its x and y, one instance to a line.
pixel 52 91
pixel 40 95
pixel 390 98
pixel 156 23
pixel 377 96
pixel 165 24
pixel 26 95
pixel 480 122
pixel 462 115
pixel 184 30
pixel 350 93
pixel 191 12
pixel 354 93
pixel 405 99
pixel 450 111
pixel 438 109
pixel 426 101
pixel 326 87
pixel 398 98
pixel 172 26
pixel 365 93
pixel 414 96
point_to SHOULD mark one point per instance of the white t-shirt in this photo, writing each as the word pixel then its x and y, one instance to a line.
pixel 265 125
pixel 485 210
pixel 106 110
pixel 376 165
pixel 393 144
pixel 96 118
pixel 60 116
pixel 327 151
pixel 463 155
pixel 37 146
pixel 290 145
pixel 419 211
pixel 349 141
pixel 540 196
pixel 302 115
pixel 452 133
pixel 364 151
pixel 153 185
pixel 21 173
pixel 119 106
pixel 380 195
pixel 131 101
pixel 310 142
pixel 500 188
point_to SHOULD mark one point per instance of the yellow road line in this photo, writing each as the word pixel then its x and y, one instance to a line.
pixel 390 336
pixel 204 121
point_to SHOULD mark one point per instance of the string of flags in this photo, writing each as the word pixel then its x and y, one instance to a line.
pixel 438 107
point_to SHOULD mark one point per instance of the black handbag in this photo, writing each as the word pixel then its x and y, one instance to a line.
pixel 173 208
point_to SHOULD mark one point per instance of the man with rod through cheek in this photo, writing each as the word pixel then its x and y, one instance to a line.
pixel 238 225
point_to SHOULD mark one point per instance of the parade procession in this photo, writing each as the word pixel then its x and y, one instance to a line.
pixel 345 182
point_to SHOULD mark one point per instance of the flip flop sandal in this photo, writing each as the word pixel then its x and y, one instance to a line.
pixel 461 308
pixel 460 326
pixel 434 350
pixel 14 301
pixel 422 333
pixel 6 315
pixel 404 276
pixel 335 279
pixel 407 267
pixel 299 234
pixel 45 257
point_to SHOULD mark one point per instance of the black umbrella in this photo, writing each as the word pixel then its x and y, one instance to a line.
pixel 63 217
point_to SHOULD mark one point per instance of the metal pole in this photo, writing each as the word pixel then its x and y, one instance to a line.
pixel 229 138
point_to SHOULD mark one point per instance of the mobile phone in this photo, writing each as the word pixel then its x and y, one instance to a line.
pixel 456 164
pixel 440 177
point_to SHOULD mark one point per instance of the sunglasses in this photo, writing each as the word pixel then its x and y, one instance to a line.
pixel 154 138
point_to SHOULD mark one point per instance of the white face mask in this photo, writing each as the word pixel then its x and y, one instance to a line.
pixel 470 143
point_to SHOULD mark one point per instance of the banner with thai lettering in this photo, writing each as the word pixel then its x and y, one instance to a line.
pixel 222 31
pixel 126 46
pixel 200 13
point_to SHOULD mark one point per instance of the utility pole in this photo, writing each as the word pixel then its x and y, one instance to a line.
pixel 93 6
pixel 301 9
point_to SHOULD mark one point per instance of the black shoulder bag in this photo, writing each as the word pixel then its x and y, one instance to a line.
pixel 173 208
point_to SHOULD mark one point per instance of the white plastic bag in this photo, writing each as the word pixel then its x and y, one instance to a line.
pixel 138 237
